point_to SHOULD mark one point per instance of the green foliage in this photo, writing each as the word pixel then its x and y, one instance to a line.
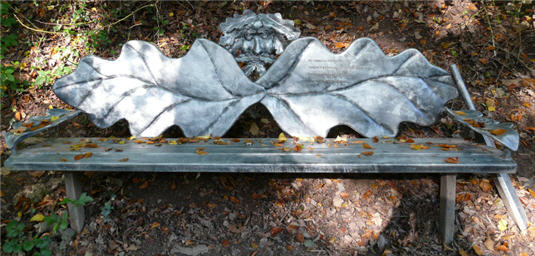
pixel 106 210
pixel 58 223
pixel 17 242
pixel 83 200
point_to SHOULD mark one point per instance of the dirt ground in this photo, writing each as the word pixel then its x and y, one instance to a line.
pixel 280 214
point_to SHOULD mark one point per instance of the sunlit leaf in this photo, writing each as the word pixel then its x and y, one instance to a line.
pixel 419 146
pixel 282 138
pixel 367 146
pixel 498 131
pixel 38 217
pixel 502 225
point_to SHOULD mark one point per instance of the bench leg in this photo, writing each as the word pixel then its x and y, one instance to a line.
pixel 511 201
pixel 447 207
pixel 74 190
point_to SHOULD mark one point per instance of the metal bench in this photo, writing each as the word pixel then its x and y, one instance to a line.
pixel 308 90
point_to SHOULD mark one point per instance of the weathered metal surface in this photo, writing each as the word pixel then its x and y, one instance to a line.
pixel 503 181
pixel 74 191
pixel 509 139
pixel 505 133
pixel 254 39
pixel 264 156
pixel 310 89
pixel 20 132
pixel 447 207
pixel 203 92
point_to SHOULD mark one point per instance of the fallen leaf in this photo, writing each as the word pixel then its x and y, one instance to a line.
pixel 36 173
pixel 366 146
pixel 367 153
pixel 144 185
pixel 462 252
pixel 447 146
pixel 461 113
pixel 419 146
pixel 19 130
pixel 28 125
pixel 254 130
pixel 200 151
pixel 236 140
pixel 88 154
pixel 281 138
pixel 234 199
pixel 275 231
pixel 78 157
pixel 502 247
pixel 256 196
pixel 38 217
pixel 489 244
pixel 124 159
pixel 531 192
pixel 485 186
pixel 452 160
pixel 91 145
pixel 477 250
pixel 300 237
pixel 340 139
pixel 484 61
pixel 341 45
pixel 155 224
pixel 63 160
pixel 344 195
pixel 502 225
pixel 18 116
pixel 524 254
pixel 498 132
pixel 224 243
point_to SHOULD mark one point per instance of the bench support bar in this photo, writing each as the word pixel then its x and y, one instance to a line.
pixel 447 207
pixel 74 190
pixel 511 201
pixel 503 181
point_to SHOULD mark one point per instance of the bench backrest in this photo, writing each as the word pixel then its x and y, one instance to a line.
pixel 308 89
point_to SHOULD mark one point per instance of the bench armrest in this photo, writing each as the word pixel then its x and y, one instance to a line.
pixel 501 132
pixel 37 124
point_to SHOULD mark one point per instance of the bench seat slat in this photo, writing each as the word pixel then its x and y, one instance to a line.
pixel 388 157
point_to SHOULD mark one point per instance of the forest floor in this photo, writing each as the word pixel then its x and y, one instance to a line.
pixel 246 214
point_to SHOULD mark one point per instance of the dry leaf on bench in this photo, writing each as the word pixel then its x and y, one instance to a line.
pixel 452 160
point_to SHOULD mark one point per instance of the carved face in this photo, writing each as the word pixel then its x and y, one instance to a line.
pixel 254 39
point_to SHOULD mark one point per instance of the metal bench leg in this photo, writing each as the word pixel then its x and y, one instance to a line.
pixel 74 190
pixel 447 207
pixel 511 201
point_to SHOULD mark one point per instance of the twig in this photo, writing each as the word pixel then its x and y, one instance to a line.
pixel 491 30
pixel 67 24
pixel 516 57
pixel 126 17
pixel 33 29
